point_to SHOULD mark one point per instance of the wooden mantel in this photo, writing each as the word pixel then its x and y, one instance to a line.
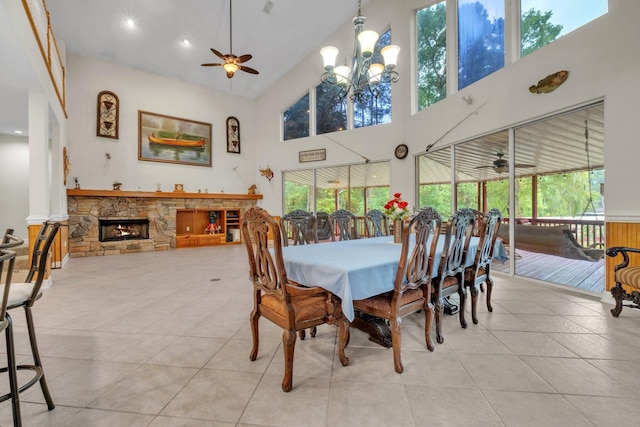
pixel 161 194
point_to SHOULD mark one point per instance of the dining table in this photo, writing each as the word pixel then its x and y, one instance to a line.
pixel 359 269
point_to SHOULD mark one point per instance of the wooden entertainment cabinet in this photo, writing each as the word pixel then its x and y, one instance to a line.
pixel 191 225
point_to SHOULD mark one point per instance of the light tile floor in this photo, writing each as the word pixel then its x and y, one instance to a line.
pixel 162 339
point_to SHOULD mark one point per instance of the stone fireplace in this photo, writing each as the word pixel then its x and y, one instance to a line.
pixel 157 210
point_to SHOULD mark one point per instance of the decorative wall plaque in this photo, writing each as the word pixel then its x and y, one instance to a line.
pixel 233 135
pixel 108 111
pixel 312 155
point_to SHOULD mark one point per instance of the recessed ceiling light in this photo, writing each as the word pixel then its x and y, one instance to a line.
pixel 129 22
pixel 19 132
pixel 186 42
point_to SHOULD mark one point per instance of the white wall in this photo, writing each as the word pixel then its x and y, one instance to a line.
pixel 139 90
pixel 600 57
pixel 14 191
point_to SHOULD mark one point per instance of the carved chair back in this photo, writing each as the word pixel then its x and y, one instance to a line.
pixel 266 268
pixel 323 227
pixel 488 235
pixel 300 226
pixel 376 223
pixel 345 224
pixel 415 269
pixel 456 244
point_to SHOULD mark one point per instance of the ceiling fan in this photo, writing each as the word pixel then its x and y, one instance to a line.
pixel 232 63
pixel 501 165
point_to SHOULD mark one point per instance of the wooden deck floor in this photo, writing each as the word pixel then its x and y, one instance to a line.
pixel 585 275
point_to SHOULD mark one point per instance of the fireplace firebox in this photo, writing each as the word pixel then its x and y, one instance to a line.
pixel 115 229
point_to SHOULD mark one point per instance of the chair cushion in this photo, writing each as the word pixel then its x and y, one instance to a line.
pixel 383 301
pixel 307 308
pixel 627 276
pixel 449 281
pixel 19 293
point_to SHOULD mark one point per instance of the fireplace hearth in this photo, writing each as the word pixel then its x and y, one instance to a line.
pixel 116 229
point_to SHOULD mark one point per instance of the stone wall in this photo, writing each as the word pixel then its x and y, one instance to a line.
pixel 85 211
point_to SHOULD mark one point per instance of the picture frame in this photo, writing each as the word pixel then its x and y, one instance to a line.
pixel 170 139
pixel 233 135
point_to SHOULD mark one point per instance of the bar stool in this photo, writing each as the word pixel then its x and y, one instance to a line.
pixel 8 257
pixel 25 295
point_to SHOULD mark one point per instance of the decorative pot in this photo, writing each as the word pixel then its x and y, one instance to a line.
pixel 398 229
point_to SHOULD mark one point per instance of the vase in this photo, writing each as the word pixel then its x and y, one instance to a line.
pixel 398 229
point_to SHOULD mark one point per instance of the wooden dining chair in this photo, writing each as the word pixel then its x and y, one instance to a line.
pixel 345 224
pixel 323 230
pixel 480 271
pixel 452 264
pixel 412 285
pixel 25 295
pixel 288 304
pixel 300 226
pixel 376 223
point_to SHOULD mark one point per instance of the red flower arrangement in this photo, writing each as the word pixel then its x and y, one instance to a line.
pixel 396 208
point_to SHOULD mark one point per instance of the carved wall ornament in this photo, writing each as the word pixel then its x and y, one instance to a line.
pixel 108 114
pixel 266 172
pixel 550 83
pixel 233 135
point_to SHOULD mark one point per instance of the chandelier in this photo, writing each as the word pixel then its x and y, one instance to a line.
pixel 361 81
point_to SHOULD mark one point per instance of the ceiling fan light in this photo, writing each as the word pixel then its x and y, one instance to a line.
pixel 500 169
pixel 230 67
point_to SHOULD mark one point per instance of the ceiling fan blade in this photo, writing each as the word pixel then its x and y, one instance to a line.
pixel 211 65
pixel 218 54
pixel 248 69
pixel 524 165
pixel 485 166
pixel 244 58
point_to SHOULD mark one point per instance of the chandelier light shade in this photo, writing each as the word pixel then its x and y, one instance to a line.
pixel 360 82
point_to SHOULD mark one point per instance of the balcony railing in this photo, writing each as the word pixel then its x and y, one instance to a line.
pixel 38 16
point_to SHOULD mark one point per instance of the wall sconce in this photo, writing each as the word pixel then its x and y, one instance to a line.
pixel 266 172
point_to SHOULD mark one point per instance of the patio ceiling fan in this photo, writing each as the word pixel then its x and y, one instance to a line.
pixel 232 63
pixel 501 165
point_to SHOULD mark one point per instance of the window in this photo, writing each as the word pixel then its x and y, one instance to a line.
pixel 480 39
pixel 434 185
pixel 296 119
pixel 375 111
pixel 356 188
pixel 432 54
pixel 331 110
pixel 298 190
pixel 543 21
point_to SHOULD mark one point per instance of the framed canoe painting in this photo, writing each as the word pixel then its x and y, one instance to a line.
pixel 173 140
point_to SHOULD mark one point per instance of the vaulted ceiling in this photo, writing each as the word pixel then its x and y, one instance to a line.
pixel 278 33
